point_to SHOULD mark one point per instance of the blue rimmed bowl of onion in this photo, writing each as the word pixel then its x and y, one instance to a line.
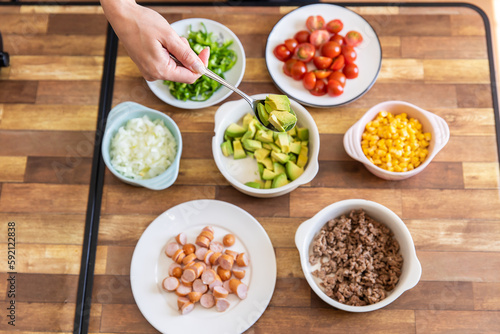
pixel 142 146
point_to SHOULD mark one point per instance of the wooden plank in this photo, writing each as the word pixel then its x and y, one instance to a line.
pixel 486 296
pixel 301 296
pixel 256 71
pixel 481 175
pixel 334 151
pixel 12 169
pixel 37 228
pixel 468 121
pixel 436 321
pixel 466 204
pixel 80 92
pixel 474 96
pixel 126 69
pixel 375 10
pixel 254 44
pixel 288 263
pixel 459 266
pixel 401 70
pixel 62 9
pixel 467 25
pixel 119 259
pixel 454 235
pixel 124 319
pixel 469 149
pixel 281 230
pixel 391 46
pixel 470 71
pixel 242 23
pixel 410 25
pixel 14 91
pixel 43 198
pixel 77 24
pixel 58 170
pixel 441 10
pixel 49 117
pixel 57 45
pixel 135 89
pixel 24 24
pixel 112 289
pixel 197 145
pixel 44 288
pixel 123 230
pixel 200 172
pixel 437 47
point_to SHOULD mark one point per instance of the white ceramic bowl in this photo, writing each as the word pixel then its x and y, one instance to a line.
pixel 430 123
pixel 233 76
pixel 411 270
pixel 238 172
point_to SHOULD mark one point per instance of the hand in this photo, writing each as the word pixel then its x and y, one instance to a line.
pixel 148 39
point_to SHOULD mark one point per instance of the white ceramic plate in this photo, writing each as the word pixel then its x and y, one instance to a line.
pixel 150 266
pixel 369 53
pixel 234 75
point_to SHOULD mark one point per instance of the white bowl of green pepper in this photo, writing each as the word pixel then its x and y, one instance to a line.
pixel 280 161
pixel 227 58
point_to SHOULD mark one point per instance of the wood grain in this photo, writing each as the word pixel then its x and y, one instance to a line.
pixel 457 322
pixel 486 296
pixel 481 175
pixel 12 169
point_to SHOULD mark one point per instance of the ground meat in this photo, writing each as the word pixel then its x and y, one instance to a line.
pixel 359 259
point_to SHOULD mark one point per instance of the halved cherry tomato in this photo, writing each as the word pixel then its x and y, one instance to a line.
pixel 302 36
pixel 349 54
pixel 322 74
pixel 282 53
pixel 338 62
pixel 337 38
pixel 319 37
pixel 334 26
pixel 291 44
pixel 287 66
pixel 331 49
pixel 319 89
pixel 353 38
pixel 298 70
pixel 351 71
pixel 334 88
pixel 338 76
pixel 315 22
pixel 309 80
pixel 322 63
pixel 305 52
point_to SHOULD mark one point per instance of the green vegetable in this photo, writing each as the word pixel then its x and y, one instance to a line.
pixel 221 60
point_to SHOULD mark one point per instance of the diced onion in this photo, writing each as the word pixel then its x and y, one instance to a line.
pixel 142 149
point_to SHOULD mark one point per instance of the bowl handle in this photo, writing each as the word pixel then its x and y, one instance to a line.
pixel 351 144
pixel 223 111
pixel 302 232
pixel 442 132
pixel 415 273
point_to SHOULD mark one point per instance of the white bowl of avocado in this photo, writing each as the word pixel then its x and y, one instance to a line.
pixel 258 161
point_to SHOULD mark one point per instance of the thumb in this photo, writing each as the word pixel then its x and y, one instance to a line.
pixel 204 55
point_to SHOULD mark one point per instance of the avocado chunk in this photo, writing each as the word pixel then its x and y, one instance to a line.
pixel 285 119
pixel 303 133
pixel 293 171
pixel 263 114
pixel 261 169
pixel 252 184
pixel 227 148
pixel 261 153
pixel 278 102
pixel 234 130
pixel 239 152
pixel 278 168
pixel 251 144
pixel 282 158
pixel 268 163
pixel 279 181
pixel 283 141
pixel 247 119
pixel 265 136
pixel 267 184
pixel 268 174
pixel 303 156
pixel 295 147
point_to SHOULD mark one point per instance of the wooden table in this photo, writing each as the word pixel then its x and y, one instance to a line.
pixel 434 56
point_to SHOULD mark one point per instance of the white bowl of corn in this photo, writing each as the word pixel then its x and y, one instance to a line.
pixel 396 140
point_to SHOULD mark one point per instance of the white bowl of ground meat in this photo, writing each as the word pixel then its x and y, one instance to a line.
pixel 357 255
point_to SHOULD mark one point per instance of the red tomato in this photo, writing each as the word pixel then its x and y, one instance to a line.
pixel 337 38
pixel 291 44
pixel 319 37
pixel 338 62
pixel 282 53
pixel 309 80
pixel 338 76
pixel 334 26
pixel 287 66
pixel 315 22
pixel 353 38
pixel 302 36
pixel 334 88
pixel 298 70
pixel 349 54
pixel 319 88
pixel 322 74
pixel 331 49
pixel 351 71
pixel 322 63
pixel 305 52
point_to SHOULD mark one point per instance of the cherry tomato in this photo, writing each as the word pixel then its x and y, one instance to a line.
pixel 319 37
pixel 287 66
pixel 331 49
pixel 337 38
pixel 322 63
pixel 338 62
pixel 309 80
pixel 351 71
pixel 334 26
pixel 298 70
pixel 353 38
pixel 291 44
pixel 334 88
pixel 305 52
pixel 322 74
pixel 315 22
pixel 302 36
pixel 349 54
pixel 319 89
pixel 282 53
pixel 338 76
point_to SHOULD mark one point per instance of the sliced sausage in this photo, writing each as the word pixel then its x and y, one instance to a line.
pixel 242 260
pixel 214 258
pixel 216 282
pixel 207 300
pixel 207 234
pixel 238 288
pixel 200 253
pixel 198 268
pixel 209 229
pixel 216 246
pixel 177 272
pixel 186 308
pixel 183 290
pixel 172 267
pixel 181 238
pixel 194 296
pixel 208 255
pixel 181 301
pixel 170 283
pixel 228 240
pixel 223 273
pixel 185 282
pixel 189 249
pixel 239 273
pixel 225 285
pixel 178 256
pixel 208 276
pixel 222 304
pixel 199 286
pixel 232 253
pixel 226 262
pixel 171 248
pixel 220 292
pixel 189 275
pixel 188 259
pixel 202 241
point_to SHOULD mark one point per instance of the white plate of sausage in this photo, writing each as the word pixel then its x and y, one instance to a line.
pixel 170 312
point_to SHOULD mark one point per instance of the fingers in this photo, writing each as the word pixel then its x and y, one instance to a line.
pixel 181 50
pixel 204 55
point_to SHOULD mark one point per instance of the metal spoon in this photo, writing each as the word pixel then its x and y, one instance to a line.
pixel 251 101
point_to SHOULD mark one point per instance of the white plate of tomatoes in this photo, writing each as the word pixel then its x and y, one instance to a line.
pixel 323 55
